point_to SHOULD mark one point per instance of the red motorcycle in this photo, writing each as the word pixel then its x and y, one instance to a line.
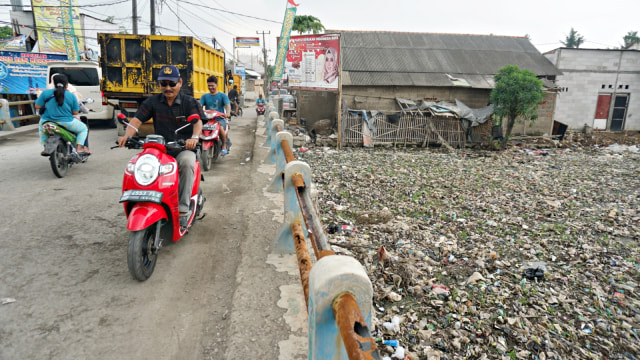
pixel 260 109
pixel 150 198
pixel 210 139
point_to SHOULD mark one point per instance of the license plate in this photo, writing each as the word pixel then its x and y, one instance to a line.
pixel 141 196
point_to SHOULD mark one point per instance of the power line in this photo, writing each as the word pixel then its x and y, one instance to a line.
pixel 231 12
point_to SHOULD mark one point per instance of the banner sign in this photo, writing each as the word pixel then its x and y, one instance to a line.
pixel 58 26
pixel 283 43
pixel 312 61
pixel 247 41
pixel 16 44
pixel 24 72
pixel 240 70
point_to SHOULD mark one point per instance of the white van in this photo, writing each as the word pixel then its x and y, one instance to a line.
pixel 85 76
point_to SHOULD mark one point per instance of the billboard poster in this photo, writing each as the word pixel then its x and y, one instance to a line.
pixel 247 41
pixel 312 61
pixel 24 72
pixel 16 44
pixel 59 28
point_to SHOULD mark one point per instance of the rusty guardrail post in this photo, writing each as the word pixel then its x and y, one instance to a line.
pixel 292 211
pixel 284 155
pixel 330 278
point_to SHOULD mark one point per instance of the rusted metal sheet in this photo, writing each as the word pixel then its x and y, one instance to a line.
pixel 356 337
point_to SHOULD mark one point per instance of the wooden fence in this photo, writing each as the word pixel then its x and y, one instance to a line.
pixel 403 129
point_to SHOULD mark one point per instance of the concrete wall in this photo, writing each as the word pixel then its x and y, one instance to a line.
pixel 589 73
pixel 316 105
pixel 383 98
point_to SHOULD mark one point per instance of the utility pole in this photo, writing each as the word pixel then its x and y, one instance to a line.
pixel 152 8
pixel 134 17
pixel 264 53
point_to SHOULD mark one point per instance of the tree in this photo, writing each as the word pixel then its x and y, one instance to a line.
pixel 516 94
pixel 307 23
pixel 573 40
pixel 6 32
pixel 630 39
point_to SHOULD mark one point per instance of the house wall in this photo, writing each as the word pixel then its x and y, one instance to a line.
pixel 544 124
pixel 312 106
pixel 588 73
pixel 383 98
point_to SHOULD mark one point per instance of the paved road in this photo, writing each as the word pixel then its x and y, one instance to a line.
pixel 219 293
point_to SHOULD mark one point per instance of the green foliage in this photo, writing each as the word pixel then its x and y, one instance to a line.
pixel 6 32
pixel 307 23
pixel 573 40
pixel 516 94
pixel 630 39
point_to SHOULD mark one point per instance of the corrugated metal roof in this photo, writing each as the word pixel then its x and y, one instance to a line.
pixel 424 59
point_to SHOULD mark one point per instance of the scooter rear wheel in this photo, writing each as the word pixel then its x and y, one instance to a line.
pixel 60 159
pixel 140 255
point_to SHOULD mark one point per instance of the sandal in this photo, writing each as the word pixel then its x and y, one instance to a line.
pixel 44 153
pixel 224 152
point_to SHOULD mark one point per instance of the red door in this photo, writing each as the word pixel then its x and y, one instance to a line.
pixel 602 112
pixel 602 109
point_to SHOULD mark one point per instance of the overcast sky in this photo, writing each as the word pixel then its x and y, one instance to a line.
pixel 547 22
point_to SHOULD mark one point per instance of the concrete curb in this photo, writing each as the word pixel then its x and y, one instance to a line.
pixel 19 131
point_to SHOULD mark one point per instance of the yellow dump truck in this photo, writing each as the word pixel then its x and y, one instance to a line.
pixel 130 65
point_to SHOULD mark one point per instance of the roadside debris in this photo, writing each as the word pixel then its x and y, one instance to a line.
pixel 518 254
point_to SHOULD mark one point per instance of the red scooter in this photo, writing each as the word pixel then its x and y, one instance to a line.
pixel 150 197
pixel 210 139
pixel 260 109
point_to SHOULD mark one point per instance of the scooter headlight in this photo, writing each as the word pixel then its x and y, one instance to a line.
pixel 147 169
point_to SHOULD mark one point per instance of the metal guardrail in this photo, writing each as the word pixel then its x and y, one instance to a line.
pixel 6 121
pixel 337 290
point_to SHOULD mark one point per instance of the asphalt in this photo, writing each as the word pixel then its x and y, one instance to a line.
pixel 19 130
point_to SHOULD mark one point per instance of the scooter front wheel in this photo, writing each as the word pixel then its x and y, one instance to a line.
pixel 205 159
pixel 60 159
pixel 140 255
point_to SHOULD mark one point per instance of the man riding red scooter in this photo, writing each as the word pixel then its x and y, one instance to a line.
pixel 167 163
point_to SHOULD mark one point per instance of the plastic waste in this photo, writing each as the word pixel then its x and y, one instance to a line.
pixel 393 343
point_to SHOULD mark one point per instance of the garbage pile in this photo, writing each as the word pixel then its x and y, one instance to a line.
pixel 517 254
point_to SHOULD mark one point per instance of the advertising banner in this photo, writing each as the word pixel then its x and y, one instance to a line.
pixel 58 26
pixel 247 41
pixel 240 70
pixel 24 72
pixel 283 42
pixel 16 44
pixel 312 61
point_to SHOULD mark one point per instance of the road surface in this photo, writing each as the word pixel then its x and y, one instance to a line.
pixel 219 293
